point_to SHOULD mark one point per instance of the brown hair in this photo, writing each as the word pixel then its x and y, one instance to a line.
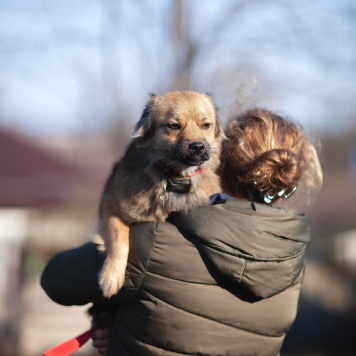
pixel 265 152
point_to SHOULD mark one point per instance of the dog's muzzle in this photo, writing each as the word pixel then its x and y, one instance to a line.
pixel 193 153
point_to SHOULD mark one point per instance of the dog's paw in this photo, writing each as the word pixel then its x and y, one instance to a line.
pixel 111 280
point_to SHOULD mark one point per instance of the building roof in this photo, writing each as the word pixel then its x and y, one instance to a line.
pixel 31 175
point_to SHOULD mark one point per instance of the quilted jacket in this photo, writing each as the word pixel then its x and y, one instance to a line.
pixel 222 280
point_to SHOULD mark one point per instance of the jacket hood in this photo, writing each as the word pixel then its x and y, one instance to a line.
pixel 254 245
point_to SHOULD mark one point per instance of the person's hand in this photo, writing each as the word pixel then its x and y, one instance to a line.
pixel 102 319
pixel 101 340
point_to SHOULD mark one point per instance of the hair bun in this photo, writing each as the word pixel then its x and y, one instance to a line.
pixel 267 157
pixel 280 169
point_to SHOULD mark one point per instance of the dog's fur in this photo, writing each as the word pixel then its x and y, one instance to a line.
pixel 178 132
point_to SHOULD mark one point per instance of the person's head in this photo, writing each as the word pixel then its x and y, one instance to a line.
pixel 267 158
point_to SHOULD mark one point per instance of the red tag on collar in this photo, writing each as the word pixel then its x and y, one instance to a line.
pixel 197 172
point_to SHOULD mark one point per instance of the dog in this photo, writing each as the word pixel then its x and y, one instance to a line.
pixel 169 166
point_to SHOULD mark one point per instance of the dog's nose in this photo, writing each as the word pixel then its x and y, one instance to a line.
pixel 197 148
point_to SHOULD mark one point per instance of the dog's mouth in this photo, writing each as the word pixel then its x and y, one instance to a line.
pixel 192 162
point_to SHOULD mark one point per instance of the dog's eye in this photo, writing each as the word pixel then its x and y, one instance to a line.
pixel 174 126
pixel 206 125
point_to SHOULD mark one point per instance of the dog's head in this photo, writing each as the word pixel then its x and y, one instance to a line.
pixel 183 127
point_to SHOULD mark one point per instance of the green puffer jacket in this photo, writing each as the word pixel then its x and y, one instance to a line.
pixel 222 280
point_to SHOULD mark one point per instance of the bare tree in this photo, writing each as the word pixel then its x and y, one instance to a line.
pixel 170 59
pixel 223 47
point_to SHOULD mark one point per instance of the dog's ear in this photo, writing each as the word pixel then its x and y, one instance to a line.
pixel 144 126
pixel 219 131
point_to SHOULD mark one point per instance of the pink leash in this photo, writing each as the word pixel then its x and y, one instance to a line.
pixel 70 346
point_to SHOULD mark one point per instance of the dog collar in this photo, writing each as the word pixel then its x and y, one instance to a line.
pixel 176 182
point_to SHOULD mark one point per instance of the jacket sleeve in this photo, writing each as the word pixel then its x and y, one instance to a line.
pixel 71 277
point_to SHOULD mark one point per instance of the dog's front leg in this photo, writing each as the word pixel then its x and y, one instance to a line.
pixel 115 234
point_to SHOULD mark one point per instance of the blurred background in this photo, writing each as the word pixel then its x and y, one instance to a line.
pixel 74 77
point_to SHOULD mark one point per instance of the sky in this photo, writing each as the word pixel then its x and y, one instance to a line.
pixel 64 64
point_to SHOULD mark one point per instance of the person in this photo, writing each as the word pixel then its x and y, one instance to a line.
pixel 223 279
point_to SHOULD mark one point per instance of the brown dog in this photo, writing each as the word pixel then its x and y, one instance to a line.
pixel 170 165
